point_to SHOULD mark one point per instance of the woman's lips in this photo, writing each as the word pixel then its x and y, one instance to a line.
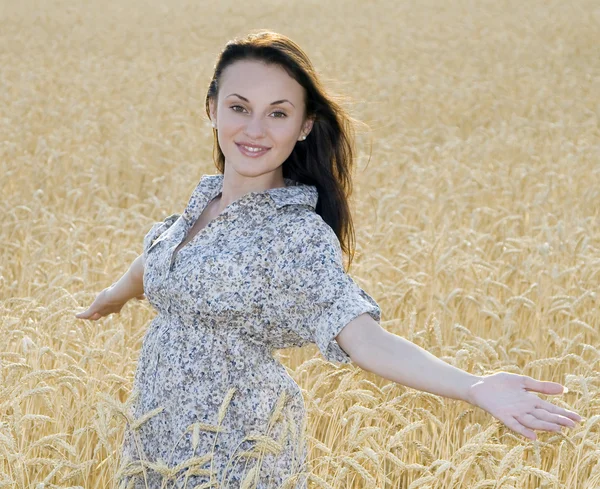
pixel 252 154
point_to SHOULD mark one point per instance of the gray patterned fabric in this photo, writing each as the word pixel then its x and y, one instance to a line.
pixel 265 274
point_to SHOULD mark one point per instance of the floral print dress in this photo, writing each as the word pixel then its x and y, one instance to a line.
pixel 209 395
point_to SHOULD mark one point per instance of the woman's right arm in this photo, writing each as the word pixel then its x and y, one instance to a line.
pixel 131 284
pixel 113 298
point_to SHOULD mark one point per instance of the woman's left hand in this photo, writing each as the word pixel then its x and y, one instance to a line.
pixel 506 396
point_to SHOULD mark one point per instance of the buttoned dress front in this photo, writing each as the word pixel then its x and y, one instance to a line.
pixel 266 274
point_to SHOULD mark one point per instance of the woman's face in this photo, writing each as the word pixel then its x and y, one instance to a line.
pixel 267 112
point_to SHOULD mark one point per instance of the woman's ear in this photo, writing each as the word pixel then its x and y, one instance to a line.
pixel 307 126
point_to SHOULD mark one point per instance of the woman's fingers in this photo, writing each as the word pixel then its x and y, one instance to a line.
pixel 553 418
pixel 516 426
pixel 538 419
pixel 550 388
pixel 535 423
pixel 552 408
pixel 87 315
pixel 542 386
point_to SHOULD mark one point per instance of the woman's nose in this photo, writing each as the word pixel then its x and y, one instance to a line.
pixel 255 127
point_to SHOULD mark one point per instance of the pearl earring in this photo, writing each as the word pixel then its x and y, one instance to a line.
pixel 302 138
pixel 214 125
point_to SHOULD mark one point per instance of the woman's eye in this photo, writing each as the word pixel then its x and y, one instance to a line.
pixel 280 114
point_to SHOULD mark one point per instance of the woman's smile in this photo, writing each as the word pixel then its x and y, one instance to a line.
pixel 251 151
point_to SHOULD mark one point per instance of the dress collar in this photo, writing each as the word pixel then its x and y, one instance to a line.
pixel 293 193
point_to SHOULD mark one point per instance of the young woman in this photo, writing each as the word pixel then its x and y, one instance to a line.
pixel 254 264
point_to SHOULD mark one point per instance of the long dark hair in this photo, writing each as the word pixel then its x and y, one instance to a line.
pixel 326 158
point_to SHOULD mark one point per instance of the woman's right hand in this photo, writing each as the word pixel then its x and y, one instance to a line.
pixel 102 306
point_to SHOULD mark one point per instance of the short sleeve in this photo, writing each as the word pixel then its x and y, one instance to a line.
pixel 313 295
pixel 156 230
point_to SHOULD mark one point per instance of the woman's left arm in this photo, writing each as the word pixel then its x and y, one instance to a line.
pixel 390 356
pixel 504 395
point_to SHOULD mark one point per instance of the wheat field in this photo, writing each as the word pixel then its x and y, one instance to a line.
pixel 476 207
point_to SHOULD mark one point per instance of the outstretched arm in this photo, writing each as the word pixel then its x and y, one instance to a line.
pixel 504 395
pixel 112 299
pixel 131 284
pixel 376 350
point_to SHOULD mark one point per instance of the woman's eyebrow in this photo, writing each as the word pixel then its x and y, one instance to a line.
pixel 272 103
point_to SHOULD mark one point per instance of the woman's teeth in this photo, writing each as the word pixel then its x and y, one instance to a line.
pixel 253 152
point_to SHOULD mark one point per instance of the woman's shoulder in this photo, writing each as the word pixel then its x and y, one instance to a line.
pixel 300 220
pixel 304 228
